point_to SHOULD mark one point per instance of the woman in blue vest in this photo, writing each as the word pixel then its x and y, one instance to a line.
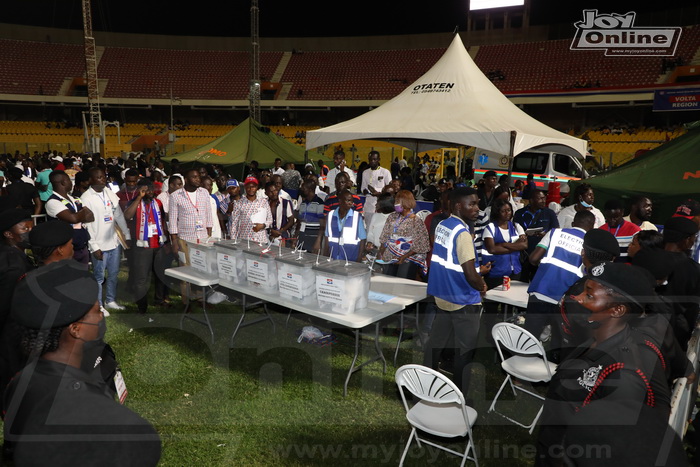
pixel 503 242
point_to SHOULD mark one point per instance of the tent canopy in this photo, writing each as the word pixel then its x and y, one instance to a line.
pixel 247 142
pixel 453 103
pixel 668 175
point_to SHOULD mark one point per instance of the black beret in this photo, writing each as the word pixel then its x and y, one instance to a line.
pixel 12 217
pixel 601 240
pixel 635 284
pixel 678 228
pixel 655 260
pixel 54 295
pixel 51 233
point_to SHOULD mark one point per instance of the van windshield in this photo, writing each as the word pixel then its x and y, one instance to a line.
pixel 530 162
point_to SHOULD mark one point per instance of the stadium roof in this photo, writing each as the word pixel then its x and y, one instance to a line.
pixel 303 18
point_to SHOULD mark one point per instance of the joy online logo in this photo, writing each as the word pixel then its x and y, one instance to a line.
pixel 616 34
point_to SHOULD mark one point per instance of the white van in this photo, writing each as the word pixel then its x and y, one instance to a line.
pixel 546 166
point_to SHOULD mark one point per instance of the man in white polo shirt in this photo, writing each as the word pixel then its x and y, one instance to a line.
pixel 104 244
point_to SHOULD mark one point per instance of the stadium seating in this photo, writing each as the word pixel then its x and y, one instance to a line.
pixel 140 73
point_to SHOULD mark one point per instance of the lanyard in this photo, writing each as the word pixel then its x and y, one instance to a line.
pixel 103 197
pixel 533 217
pixel 399 221
pixel 194 204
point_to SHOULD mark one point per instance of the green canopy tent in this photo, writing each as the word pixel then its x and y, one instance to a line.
pixel 247 142
pixel 668 175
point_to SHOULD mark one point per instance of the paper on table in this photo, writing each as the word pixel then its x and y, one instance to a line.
pixel 379 297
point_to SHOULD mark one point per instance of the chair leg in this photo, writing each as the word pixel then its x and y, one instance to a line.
pixel 537 417
pixel 408 445
pixel 493 404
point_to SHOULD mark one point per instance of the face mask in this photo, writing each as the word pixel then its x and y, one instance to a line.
pixel 578 317
pixel 585 204
pixel 24 241
pixel 92 350
pixel 398 208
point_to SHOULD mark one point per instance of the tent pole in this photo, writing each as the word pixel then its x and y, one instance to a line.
pixel 511 156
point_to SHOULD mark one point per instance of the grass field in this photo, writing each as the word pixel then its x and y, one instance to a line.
pixel 273 401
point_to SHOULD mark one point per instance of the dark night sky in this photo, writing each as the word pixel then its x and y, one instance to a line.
pixel 301 18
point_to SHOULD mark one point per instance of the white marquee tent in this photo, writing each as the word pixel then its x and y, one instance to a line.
pixel 453 103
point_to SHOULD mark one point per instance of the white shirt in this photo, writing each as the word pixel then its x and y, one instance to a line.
pixel 330 179
pixel 54 206
pixel 566 217
pixel 105 207
pixel 376 225
pixel 487 233
pixel 377 179
pixel 278 171
pixel 216 227
pixel 164 198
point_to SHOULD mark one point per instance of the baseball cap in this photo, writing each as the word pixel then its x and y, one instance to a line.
pixel 251 179
pixel 688 209
pixel 231 182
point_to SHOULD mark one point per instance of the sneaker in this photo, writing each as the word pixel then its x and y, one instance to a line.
pixel 546 333
pixel 113 306
pixel 104 311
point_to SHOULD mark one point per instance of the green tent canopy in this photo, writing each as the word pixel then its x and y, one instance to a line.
pixel 247 142
pixel 668 175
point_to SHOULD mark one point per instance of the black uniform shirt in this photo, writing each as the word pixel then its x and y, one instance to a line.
pixel 56 413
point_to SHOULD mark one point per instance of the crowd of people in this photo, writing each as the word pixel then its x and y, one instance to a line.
pixel 616 300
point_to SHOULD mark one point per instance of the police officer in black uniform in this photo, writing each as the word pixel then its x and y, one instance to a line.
pixel 54 410
pixel 611 391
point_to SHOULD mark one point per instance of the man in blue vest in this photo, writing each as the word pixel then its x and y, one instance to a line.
pixel 456 286
pixel 558 256
pixel 345 231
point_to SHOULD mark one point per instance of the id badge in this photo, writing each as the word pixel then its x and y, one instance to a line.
pixel 302 227
pixel 108 219
pixel 199 225
pixel 341 241
pixel 119 383
pixel 152 230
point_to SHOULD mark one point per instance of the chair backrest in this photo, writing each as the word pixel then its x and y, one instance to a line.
pixel 423 214
pixel 517 340
pixel 428 384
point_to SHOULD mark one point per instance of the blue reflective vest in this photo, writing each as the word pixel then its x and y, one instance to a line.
pixel 561 266
pixel 506 264
pixel 446 279
pixel 350 248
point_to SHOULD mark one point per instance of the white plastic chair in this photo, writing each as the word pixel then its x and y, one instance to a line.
pixel 441 410
pixel 423 214
pixel 528 363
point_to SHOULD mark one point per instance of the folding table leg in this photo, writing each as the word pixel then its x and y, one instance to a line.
pixel 380 354
pixel 186 314
pixel 354 359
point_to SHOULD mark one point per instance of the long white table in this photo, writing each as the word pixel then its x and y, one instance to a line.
pixel 405 292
